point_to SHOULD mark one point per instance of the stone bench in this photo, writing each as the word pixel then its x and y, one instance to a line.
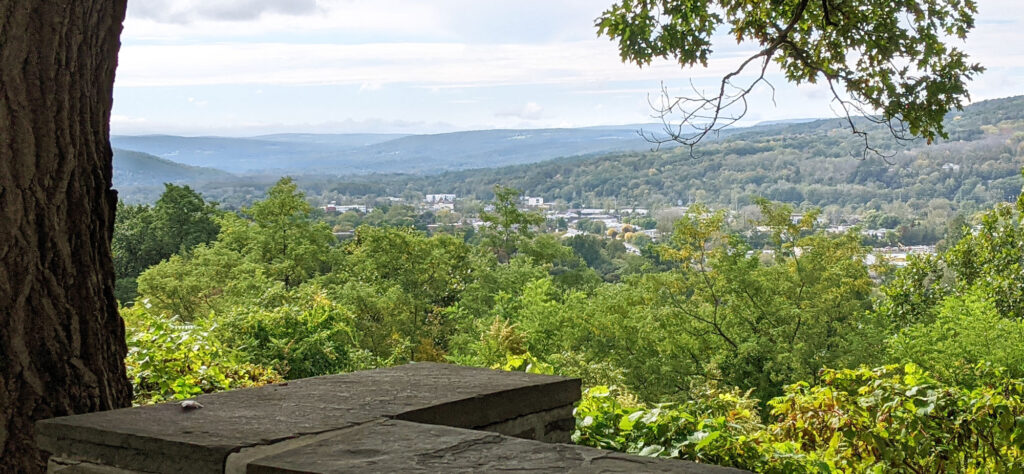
pixel 418 417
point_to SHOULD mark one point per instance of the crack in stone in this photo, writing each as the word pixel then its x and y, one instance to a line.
pixel 237 460
pixel 589 460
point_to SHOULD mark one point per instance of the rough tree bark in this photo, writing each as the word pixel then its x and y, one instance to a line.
pixel 62 342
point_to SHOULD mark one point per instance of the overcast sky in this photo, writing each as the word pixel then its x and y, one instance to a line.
pixel 248 67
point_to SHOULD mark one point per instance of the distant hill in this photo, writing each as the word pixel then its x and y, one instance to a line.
pixel 285 153
pixel 787 121
pixel 339 140
pixel 137 168
pixel 489 148
pixel 352 154
pixel 810 163
pixel 344 154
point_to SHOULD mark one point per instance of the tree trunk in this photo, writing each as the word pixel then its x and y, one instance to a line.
pixel 62 342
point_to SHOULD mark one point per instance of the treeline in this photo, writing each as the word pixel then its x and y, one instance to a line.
pixel 813 164
pixel 765 357
pixel 917 188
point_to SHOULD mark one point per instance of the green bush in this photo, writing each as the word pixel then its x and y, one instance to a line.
pixel 889 419
pixel 170 359
pixel 967 331
pixel 900 419
pixel 721 427
pixel 305 337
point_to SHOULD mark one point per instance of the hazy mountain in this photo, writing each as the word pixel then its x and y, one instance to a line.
pixel 340 140
pixel 133 168
pixel 349 154
pixel 816 162
pixel 786 121
pixel 281 153
pixel 369 153
pixel 488 148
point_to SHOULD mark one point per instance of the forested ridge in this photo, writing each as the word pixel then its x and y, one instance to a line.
pixel 817 163
pixel 788 354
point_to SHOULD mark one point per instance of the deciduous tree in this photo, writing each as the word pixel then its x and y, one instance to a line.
pixel 62 342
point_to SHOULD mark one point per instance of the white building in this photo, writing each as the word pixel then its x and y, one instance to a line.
pixel 876 233
pixel 534 201
pixel 432 198
pixel 341 209
pixel 572 233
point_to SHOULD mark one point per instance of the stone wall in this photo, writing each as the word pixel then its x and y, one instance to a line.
pixel 418 417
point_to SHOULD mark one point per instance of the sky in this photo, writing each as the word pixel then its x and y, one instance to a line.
pixel 251 67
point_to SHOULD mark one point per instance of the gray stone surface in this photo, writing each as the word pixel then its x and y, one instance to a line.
pixel 418 417
pixel 550 426
pixel 64 466
pixel 155 438
pixel 399 446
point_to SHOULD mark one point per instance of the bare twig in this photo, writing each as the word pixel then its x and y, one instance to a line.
pixel 688 120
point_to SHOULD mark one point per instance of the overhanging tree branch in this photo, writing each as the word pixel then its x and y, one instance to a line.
pixel 887 64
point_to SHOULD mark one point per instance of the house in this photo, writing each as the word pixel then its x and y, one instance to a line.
pixel 442 206
pixel 341 209
pixel 876 233
pixel 434 198
pixel 534 201
pixel 572 233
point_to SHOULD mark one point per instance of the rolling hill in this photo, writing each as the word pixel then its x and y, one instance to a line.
pixel 133 168
pixel 345 154
pixel 815 163
pixel 804 162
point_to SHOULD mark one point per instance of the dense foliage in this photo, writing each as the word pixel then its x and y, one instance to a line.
pixel 890 419
pixel 144 235
pixel 169 358
pixel 898 58
pixel 723 348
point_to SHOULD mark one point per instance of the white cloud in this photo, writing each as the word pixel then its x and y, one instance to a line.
pixel 134 126
pixel 428 64
pixel 208 21
pixel 491 21
pixel 117 119
pixel 189 11
pixel 426 55
pixel 529 111
pixel 370 87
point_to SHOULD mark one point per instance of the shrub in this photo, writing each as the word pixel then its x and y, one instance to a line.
pixel 170 359
pixel 888 419
pixel 306 337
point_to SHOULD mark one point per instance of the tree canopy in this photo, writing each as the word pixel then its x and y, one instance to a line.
pixel 144 235
pixel 894 61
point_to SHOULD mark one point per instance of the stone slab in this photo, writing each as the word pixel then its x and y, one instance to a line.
pixel 551 426
pixel 157 437
pixel 400 446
